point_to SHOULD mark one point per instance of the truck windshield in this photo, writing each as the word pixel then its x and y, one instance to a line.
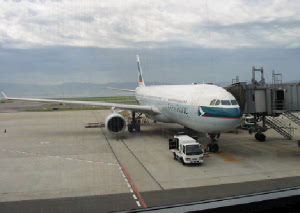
pixel 193 150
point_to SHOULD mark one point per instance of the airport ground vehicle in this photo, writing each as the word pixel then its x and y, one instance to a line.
pixel 247 121
pixel 186 149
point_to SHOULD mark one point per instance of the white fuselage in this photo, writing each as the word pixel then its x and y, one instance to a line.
pixel 190 106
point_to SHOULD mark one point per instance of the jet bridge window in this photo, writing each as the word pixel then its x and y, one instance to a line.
pixel 225 102
pixel 234 102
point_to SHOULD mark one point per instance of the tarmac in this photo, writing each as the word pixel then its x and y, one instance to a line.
pixel 50 163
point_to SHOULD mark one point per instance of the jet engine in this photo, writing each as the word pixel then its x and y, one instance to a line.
pixel 115 123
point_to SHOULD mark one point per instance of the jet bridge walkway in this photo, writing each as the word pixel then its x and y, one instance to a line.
pixel 267 101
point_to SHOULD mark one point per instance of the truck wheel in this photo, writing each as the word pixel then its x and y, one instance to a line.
pixel 175 158
pixel 183 163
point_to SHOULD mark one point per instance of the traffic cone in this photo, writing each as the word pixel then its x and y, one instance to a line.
pixel 5 131
pixel 117 138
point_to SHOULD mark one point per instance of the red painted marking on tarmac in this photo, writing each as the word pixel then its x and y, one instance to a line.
pixel 230 158
pixel 133 186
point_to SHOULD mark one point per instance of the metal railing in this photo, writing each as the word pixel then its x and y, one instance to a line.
pixel 280 126
pixel 293 116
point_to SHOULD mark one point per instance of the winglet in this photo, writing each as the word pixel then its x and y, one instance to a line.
pixel 5 97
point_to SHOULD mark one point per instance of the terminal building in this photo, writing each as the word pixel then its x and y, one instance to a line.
pixel 267 101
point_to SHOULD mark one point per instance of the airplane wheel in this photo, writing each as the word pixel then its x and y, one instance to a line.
pixel 138 127
pixel 209 147
pixel 215 147
pixel 130 128
pixel 212 147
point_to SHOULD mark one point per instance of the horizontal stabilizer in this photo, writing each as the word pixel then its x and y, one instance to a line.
pixel 5 97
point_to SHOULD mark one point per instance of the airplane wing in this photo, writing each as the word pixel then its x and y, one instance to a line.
pixel 138 108
pixel 127 90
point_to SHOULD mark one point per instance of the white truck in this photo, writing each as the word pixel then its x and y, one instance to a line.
pixel 247 121
pixel 186 149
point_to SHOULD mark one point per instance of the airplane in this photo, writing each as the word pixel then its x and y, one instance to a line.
pixel 204 108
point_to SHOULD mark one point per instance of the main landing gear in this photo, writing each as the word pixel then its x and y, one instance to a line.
pixel 212 146
pixel 135 123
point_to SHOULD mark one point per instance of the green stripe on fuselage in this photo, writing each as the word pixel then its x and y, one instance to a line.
pixel 220 112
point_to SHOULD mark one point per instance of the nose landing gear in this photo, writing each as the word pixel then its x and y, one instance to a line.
pixel 212 146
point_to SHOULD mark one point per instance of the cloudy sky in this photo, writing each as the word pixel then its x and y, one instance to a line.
pixel 95 41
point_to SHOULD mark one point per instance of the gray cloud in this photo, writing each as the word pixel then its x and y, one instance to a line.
pixel 96 41
pixel 125 24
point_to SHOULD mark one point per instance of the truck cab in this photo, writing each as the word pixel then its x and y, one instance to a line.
pixel 247 121
pixel 186 149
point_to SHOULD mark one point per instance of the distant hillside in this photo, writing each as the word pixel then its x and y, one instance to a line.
pixel 68 89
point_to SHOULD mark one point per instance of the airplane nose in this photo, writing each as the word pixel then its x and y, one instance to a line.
pixel 236 113
pixel 233 113
pixel 233 117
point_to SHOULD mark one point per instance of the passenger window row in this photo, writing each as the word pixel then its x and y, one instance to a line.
pixel 223 102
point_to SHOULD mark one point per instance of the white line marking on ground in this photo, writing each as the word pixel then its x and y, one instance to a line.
pixel 43 142
pixel 134 196
pixel 61 157
pixel 138 203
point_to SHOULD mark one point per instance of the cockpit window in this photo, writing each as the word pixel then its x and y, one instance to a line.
pixel 234 102
pixel 225 102
pixel 217 102
pixel 213 102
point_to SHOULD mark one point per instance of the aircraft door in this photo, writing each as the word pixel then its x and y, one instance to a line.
pixel 279 100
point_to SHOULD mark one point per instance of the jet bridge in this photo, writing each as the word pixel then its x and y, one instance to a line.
pixel 267 101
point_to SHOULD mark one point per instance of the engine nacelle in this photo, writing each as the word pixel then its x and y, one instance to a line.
pixel 115 123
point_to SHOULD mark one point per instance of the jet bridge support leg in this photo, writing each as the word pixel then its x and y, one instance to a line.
pixel 259 135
